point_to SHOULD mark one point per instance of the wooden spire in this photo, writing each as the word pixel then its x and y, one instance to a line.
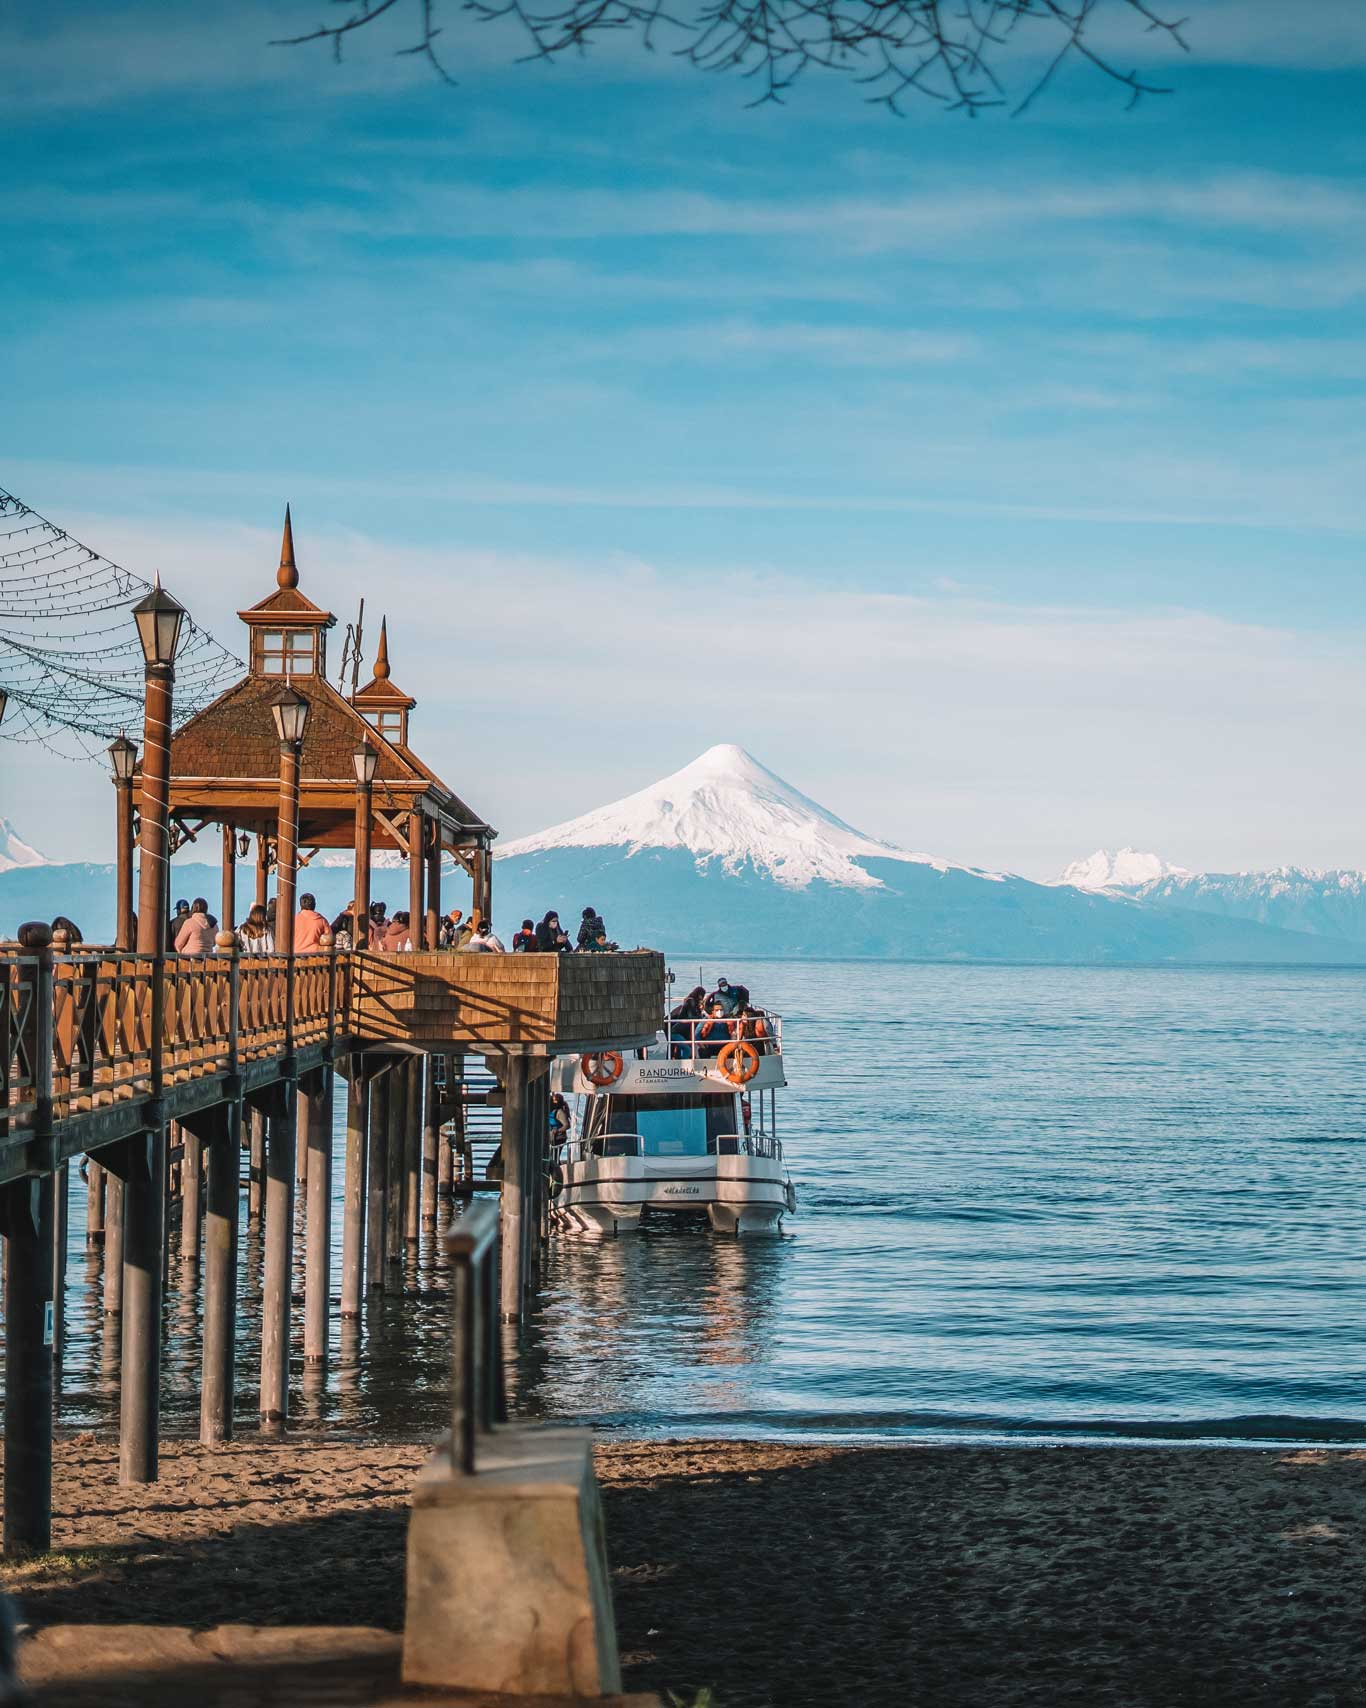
pixel 288 574
pixel 382 656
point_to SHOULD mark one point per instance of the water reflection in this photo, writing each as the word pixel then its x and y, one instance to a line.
pixel 1028 1195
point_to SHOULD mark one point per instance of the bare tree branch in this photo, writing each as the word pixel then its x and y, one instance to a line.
pixel 950 51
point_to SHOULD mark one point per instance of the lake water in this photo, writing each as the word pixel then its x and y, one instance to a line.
pixel 1033 1203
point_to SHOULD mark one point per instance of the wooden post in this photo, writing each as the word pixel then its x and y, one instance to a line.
pixel 61 1206
pixel 227 919
pixel 432 933
pixel 303 1123
pixel 513 1255
pixel 415 859
pixel 413 1140
pixel 28 1364
pixel 144 1239
pixel 287 848
pixel 262 868
pixel 362 890
pixel 445 1148
pixel 94 1202
pixel 377 1184
pixel 123 847
pixel 220 1280
pixel 394 1250
pixel 191 1174
pixel 353 1196
pixel 113 1244
pixel 431 1143
pixel 256 1186
pixel 154 842
pixel 318 1247
pixel 279 1253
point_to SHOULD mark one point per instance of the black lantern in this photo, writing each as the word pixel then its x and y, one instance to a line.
pixel 365 759
pixel 290 710
pixel 4 701
pixel 123 756
pixel 158 618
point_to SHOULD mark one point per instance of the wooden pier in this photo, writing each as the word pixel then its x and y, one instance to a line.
pixel 104 1050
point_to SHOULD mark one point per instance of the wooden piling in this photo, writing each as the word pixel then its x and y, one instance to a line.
pixel 303 1118
pixel 377 1183
pixel 353 1191
pixel 220 1281
pixel 513 1255
pixel 257 1163
pixel 94 1202
pixel 28 1210
pixel 431 1142
pixel 279 1257
pixel 413 1141
pixel 394 1249
pixel 191 1174
pixel 144 1244
pixel 318 1237
pixel 113 1244
pixel 61 1206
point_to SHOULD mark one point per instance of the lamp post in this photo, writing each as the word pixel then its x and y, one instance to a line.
pixel 364 758
pixel 290 711
pixel 123 759
pixel 158 618
pixel 289 708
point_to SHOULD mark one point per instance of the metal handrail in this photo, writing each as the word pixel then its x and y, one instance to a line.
pixel 686 1042
pixel 478 1396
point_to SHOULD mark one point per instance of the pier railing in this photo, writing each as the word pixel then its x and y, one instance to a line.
pixel 478 1397
pixel 113 1041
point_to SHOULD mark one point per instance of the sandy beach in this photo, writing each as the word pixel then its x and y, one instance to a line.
pixel 787 1576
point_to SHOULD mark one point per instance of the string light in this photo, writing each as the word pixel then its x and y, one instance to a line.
pixel 74 683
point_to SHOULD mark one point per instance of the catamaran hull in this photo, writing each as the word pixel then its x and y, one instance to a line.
pixel 611 1195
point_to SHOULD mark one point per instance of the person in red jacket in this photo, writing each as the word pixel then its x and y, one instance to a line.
pixel 309 927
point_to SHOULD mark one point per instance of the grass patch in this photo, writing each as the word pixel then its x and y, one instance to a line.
pixel 62 1565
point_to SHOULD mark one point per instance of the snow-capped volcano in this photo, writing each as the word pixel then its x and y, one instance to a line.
pixel 728 807
pixel 15 852
pixel 1110 869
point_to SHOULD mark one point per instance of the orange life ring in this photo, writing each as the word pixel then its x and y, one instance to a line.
pixel 739 1062
pixel 603 1068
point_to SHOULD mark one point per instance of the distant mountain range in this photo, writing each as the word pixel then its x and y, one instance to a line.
pixel 724 857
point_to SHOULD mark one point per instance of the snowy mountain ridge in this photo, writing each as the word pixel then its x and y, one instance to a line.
pixel 726 806
pixel 1123 868
pixel 15 852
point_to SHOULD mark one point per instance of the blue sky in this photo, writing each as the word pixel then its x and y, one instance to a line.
pixel 999 482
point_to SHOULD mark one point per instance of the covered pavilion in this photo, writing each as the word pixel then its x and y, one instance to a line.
pixel 225 766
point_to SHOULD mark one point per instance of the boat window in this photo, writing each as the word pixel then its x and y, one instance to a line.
pixel 679 1124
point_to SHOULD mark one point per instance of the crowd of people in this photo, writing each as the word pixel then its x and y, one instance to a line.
pixel 706 1021
pixel 193 930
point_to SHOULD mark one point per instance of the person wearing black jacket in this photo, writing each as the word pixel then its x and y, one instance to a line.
pixel 550 939
pixel 591 929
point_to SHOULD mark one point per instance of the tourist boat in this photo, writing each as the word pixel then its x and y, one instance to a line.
pixel 684 1128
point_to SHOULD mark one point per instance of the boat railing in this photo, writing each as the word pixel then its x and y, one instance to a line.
pixel 758 1144
pixel 746 1144
pixel 703 1040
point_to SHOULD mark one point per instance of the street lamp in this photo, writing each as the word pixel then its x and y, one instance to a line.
pixel 364 759
pixel 158 618
pixel 123 758
pixel 289 709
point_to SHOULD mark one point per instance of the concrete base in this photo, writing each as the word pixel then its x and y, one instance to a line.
pixel 508 1587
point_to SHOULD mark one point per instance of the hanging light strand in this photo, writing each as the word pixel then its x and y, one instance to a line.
pixel 74 681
